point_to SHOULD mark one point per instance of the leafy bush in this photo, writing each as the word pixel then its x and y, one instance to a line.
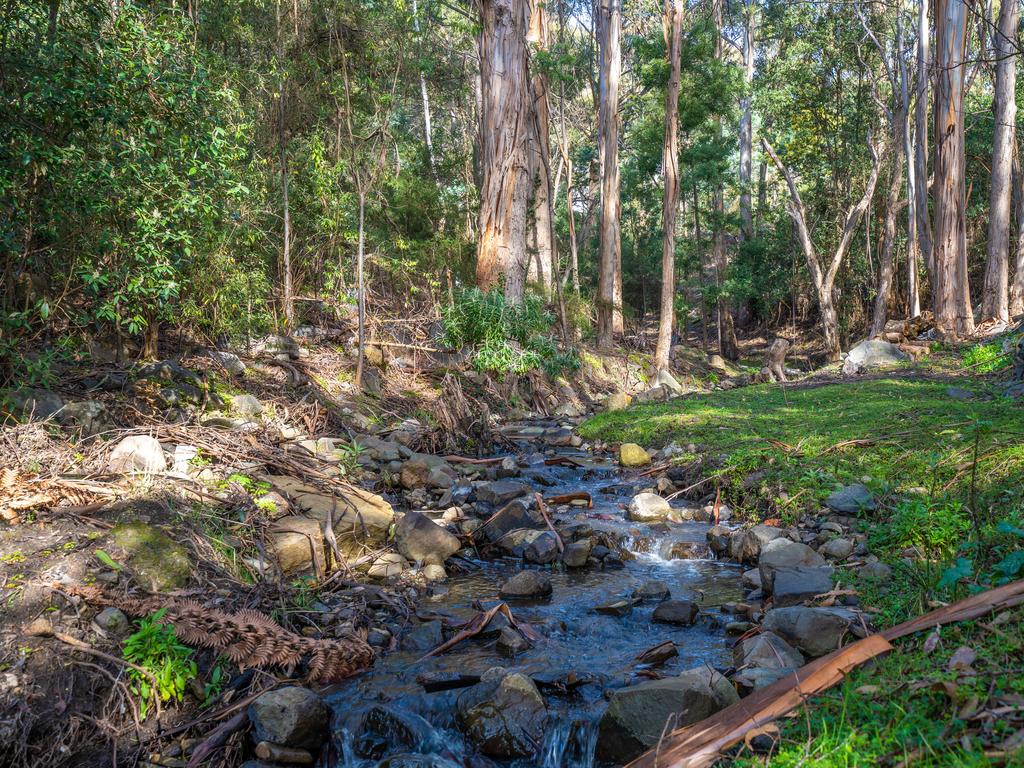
pixel 936 528
pixel 156 649
pixel 986 358
pixel 506 338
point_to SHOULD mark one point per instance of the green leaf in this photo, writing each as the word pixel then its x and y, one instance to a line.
pixel 107 560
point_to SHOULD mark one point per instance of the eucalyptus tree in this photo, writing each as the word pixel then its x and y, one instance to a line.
pixel 609 292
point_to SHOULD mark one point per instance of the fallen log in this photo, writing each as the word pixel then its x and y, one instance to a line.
pixel 701 744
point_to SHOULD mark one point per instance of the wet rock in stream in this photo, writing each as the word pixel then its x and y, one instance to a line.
pixel 503 714
pixel 526 585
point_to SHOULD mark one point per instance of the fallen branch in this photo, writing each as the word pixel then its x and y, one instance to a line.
pixel 566 498
pixel 701 744
pixel 544 514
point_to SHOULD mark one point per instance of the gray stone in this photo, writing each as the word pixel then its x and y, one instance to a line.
pixel 503 717
pixel 681 613
pixel 112 620
pixel 137 453
pixel 387 565
pixel 718 537
pixel 501 491
pixel 875 570
pixel 515 542
pixel 783 553
pixel 652 591
pixel 416 761
pixel 89 416
pixel 423 637
pixel 292 717
pixel 797 584
pixel 33 403
pixel 420 539
pixel 766 650
pixel 636 716
pixel 616 608
pixel 873 354
pixel 526 585
pixel 745 545
pixel 752 578
pixel 514 516
pixel 668 381
pixel 815 631
pixel 646 507
pixel 577 553
pixel 247 406
pixel 510 642
pixel 558 436
pixel 542 550
pixel 232 363
pixel 837 549
pixel 434 572
pixel 851 500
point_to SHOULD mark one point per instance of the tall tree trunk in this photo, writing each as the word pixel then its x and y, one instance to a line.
pixel 995 303
pixel 913 244
pixel 673 23
pixel 885 256
pixel 1017 287
pixel 425 97
pixel 287 299
pixel 544 263
pixel 728 347
pixel 609 303
pixel 361 293
pixel 920 203
pixel 504 128
pixel 747 126
pixel 951 294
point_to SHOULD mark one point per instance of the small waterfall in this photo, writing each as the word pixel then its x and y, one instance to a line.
pixel 347 755
pixel 569 745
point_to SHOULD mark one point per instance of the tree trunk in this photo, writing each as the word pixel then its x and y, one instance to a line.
pixel 728 347
pixel 747 127
pixel 543 265
pixel 913 244
pixel 924 222
pixel 425 96
pixel 951 294
pixel 885 257
pixel 1017 288
pixel 609 299
pixel 361 293
pixel 286 250
pixel 504 113
pixel 995 298
pixel 673 23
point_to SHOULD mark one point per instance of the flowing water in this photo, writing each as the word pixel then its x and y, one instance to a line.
pixel 576 639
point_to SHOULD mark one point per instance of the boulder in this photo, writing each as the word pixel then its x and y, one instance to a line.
pixel 33 403
pixel 88 416
pixel 577 553
pixel 652 591
pixel 668 381
pixel 247 406
pixel 636 716
pixel 516 541
pixel 873 354
pixel 381 450
pixel 681 613
pixel 502 715
pixel 719 537
pixel 542 550
pixel 232 363
pixel 745 546
pixel 617 401
pixel 291 717
pixel 766 651
pixel 797 584
pixel 296 542
pixel 647 507
pixel 837 549
pixel 387 565
pixel 783 553
pixel 815 631
pixel 851 500
pixel 137 453
pixel 633 455
pixel 426 471
pixel 501 492
pixel 420 539
pixel 526 585
pixel 157 562
pixel 514 516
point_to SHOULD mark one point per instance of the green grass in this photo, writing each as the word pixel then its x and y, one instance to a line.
pixel 920 438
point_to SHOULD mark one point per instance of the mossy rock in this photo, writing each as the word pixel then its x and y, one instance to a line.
pixel 158 563
pixel 633 455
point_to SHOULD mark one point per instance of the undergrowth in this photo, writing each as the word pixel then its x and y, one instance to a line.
pixel 168 662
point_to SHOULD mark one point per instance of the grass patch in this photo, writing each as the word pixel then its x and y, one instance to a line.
pixel 783 450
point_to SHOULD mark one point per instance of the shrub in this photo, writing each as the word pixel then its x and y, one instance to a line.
pixel 936 528
pixel 169 663
pixel 986 358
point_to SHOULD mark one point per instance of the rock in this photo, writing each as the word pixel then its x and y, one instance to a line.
pixel 636 716
pixel 851 500
pixel 756 678
pixel 423 471
pixel 423 637
pixel 420 539
pixel 137 453
pixel 875 570
pixel 112 620
pixel 815 631
pixel 277 345
pixel 652 591
pixel 501 492
pixel 837 549
pixel 718 537
pixel 668 381
pixel 434 572
pixel 617 401
pixel 33 403
pixel 577 553
pixel 783 553
pixel 416 761
pixel 871 355
pixel 658 394
pixel 717 363
pixel 752 579
pixel 247 406
pixel 632 455
pixel 542 550
pixel 515 542
pixel 766 650
pixel 503 717
pixel 89 416
pixel 507 468
pixel 797 584
pixel 378 637
pixel 295 540
pixel 232 363
pixel 681 613
pixel 616 608
pixel 646 507
pixel 292 717
pixel 745 546
pixel 381 450
pixel 687 550
pixel 559 436
pixel 526 585
pixel 387 565
pixel 158 563
pixel 514 516
pixel 510 642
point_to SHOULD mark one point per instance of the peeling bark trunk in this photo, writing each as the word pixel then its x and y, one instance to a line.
pixel 287 301
pixel 747 127
pixel 1017 288
pixel 951 294
pixel 913 244
pixel 609 304
pixel 885 257
pixel 728 347
pixel 924 222
pixel 504 129
pixel 673 23
pixel 544 262
pixel 996 296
